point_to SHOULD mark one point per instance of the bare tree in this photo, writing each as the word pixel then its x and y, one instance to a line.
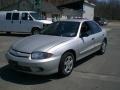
pixel 109 9
pixel 92 1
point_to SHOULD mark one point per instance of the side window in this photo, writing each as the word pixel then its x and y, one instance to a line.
pixel 15 16
pixel 85 29
pixel 24 16
pixel 30 18
pixel 94 27
pixel 8 16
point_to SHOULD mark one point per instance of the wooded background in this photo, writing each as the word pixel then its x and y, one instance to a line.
pixel 109 9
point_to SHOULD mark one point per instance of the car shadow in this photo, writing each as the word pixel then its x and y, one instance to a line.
pixel 10 75
pixel 15 34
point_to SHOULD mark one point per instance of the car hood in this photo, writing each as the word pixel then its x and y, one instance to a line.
pixel 45 21
pixel 38 43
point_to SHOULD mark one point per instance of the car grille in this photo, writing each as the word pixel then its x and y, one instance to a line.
pixel 14 65
pixel 19 53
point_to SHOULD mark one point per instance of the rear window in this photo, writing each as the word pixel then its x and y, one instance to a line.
pixel 8 16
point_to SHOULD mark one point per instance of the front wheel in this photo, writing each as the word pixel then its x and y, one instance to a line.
pixel 35 31
pixel 8 33
pixel 66 64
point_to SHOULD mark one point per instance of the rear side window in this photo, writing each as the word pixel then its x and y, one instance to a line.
pixel 8 16
pixel 94 27
pixel 15 16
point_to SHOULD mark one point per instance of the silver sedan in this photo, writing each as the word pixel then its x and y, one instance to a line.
pixel 57 48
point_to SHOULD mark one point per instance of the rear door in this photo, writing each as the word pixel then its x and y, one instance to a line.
pixel 7 25
pixel 87 39
pixel 97 33
pixel 15 22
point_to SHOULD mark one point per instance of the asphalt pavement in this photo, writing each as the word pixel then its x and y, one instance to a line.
pixel 95 72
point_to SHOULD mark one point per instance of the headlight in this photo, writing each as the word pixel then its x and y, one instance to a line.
pixel 40 55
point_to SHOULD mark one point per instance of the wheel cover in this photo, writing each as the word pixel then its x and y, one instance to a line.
pixel 35 32
pixel 103 47
pixel 68 64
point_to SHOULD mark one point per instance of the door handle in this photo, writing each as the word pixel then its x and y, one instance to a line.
pixel 20 22
pixel 93 38
pixel 12 21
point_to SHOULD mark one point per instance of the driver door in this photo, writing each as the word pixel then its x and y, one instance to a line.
pixel 26 22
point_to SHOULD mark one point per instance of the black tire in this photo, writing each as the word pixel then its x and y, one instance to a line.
pixel 103 48
pixel 35 31
pixel 65 63
pixel 8 33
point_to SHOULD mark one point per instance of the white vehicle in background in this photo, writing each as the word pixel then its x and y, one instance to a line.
pixel 21 21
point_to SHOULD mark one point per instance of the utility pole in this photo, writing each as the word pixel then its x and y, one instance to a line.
pixel 38 6
pixel 18 4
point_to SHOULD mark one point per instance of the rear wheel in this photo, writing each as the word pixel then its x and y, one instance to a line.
pixel 103 48
pixel 35 31
pixel 66 64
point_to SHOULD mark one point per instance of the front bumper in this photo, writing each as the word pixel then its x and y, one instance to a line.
pixel 38 67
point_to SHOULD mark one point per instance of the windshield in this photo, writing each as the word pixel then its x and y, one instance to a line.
pixel 63 28
pixel 35 16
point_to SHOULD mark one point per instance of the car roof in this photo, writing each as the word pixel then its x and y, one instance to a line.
pixel 18 11
pixel 76 20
